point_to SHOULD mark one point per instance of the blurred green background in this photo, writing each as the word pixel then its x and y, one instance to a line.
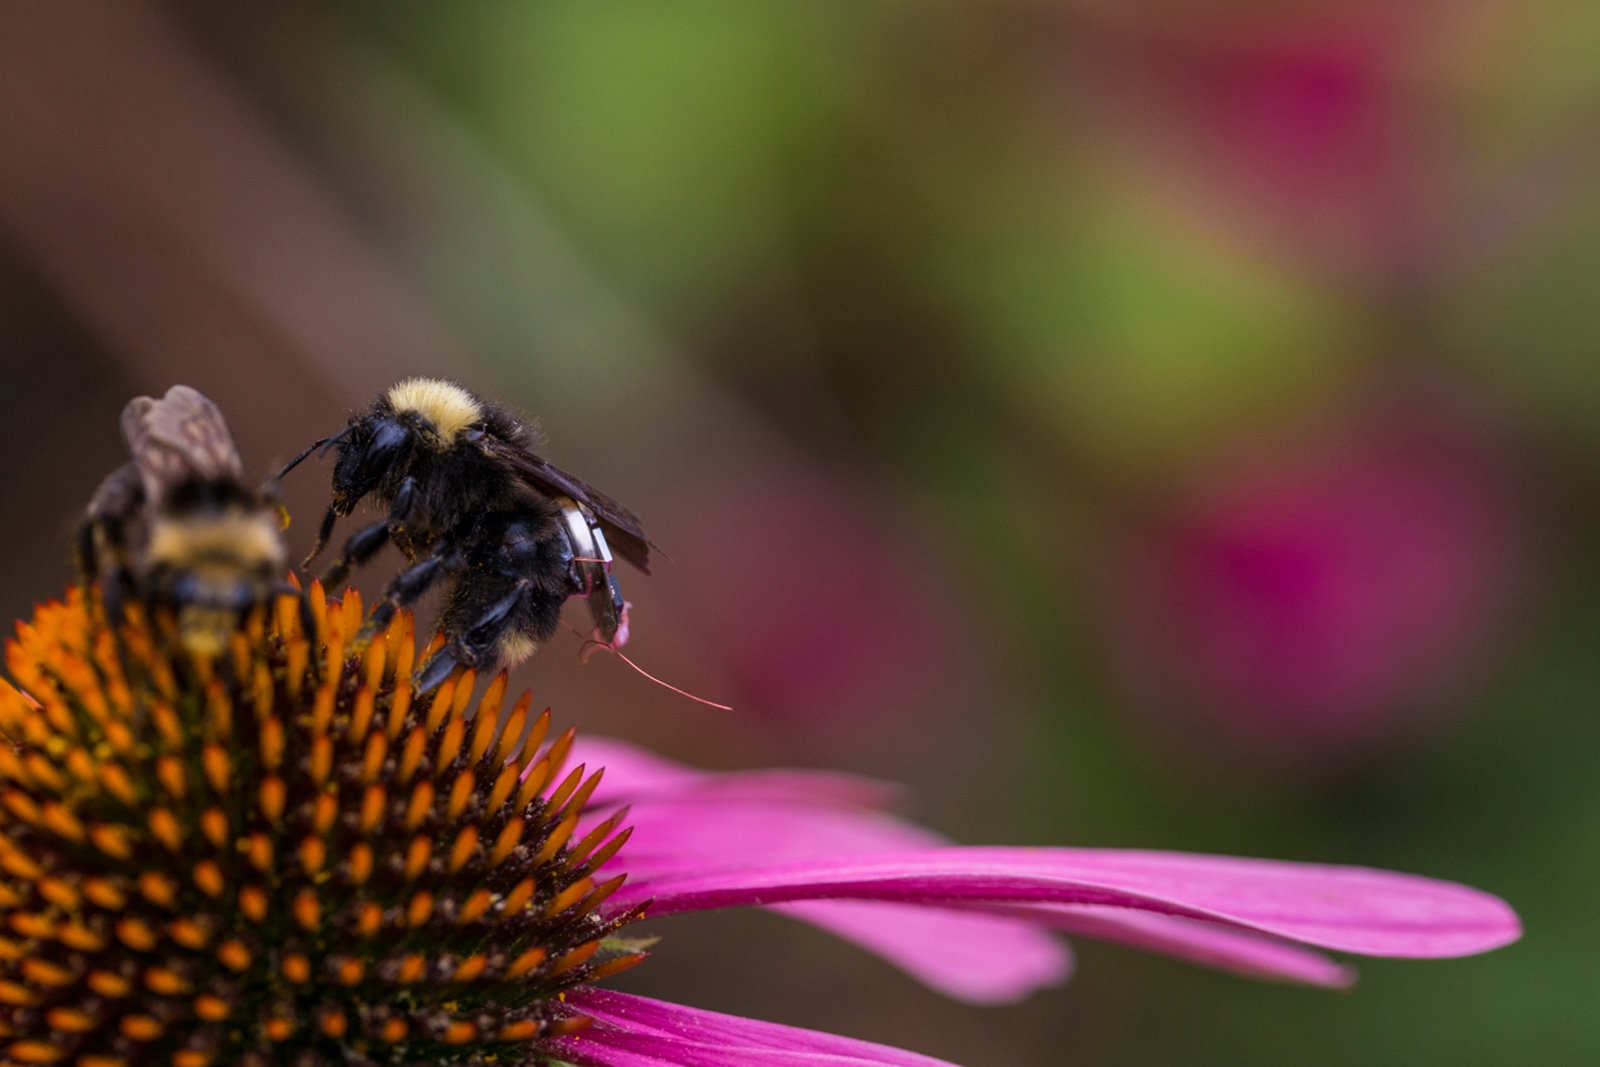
pixel 1169 424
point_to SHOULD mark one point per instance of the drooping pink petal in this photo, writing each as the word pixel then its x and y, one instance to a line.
pixel 1351 909
pixel 634 774
pixel 633 1031
pixel 984 959
pixel 689 819
pixel 978 958
pixel 1222 947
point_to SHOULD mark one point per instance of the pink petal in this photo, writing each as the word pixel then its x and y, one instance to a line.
pixel 1351 909
pixel 633 774
pixel 633 1031
pixel 1205 943
pixel 980 958
pixel 691 833
pixel 630 771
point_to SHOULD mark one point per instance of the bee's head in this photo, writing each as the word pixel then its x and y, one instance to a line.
pixel 369 448
pixel 416 417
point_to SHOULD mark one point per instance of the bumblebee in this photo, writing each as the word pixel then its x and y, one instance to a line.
pixel 470 504
pixel 177 528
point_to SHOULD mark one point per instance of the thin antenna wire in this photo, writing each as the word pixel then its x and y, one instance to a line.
pixel 590 645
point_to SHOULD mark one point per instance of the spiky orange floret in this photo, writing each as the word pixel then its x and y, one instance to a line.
pixel 281 858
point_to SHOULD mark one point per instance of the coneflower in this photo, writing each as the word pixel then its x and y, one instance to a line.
pixel 282 856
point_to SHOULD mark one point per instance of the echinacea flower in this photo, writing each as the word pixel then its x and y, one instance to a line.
pixel 281 857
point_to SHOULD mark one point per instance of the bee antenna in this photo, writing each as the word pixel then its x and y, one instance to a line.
pixel 324 444
pixel 590 646
pixel 295 462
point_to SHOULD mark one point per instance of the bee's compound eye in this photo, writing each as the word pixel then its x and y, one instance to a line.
pixel 360 473
pixel 389 438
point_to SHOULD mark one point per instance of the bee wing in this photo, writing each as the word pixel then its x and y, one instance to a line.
pixel 624 531
pixel 182 435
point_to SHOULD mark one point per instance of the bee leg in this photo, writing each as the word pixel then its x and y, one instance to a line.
pixel 362 546
pixel 435 671
pixel 492 623
pixel 475 640
pixel 408 585
pixel 324 532
pixel 85 554
pixel 404 497
pixel 111 600
pixel 610 614
pixel 308 617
